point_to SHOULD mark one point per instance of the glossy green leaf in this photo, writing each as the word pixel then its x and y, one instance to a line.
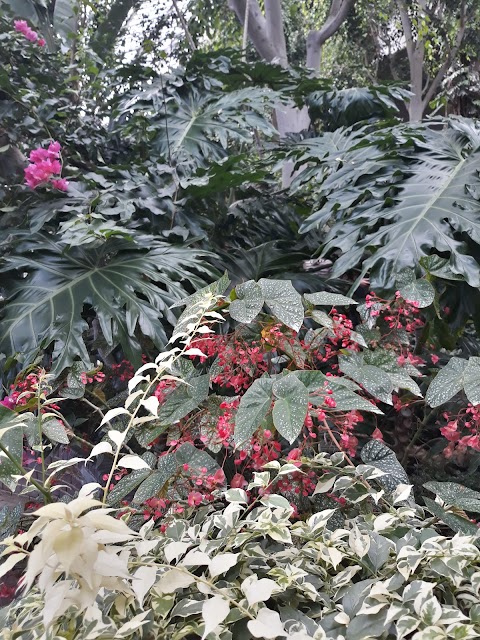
pixel 433 203
pixel 117 280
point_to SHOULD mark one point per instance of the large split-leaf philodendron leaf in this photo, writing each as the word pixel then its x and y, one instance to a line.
pixel 200 125
pixel 422 193
pixel 119 283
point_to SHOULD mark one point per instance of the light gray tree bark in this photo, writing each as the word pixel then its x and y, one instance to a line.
pixel 267 34
pixel 423 91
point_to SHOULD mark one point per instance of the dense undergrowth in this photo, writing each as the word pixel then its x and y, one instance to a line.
pixel 287 450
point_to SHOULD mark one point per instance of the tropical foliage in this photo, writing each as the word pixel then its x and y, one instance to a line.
pixel 289 449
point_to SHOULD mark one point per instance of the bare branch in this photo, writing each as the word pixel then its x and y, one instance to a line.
pixel 257 27
pixel 338 12
pixel 451 56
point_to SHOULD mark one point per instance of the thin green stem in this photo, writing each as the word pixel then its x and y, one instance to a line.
pixel 416 436
pixel 40 431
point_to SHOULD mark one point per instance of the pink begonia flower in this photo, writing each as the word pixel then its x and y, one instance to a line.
pixel 54 149
pixel 38 155
pixel 41 42
pixel 238 481
pixel 61 184
pixel 194 498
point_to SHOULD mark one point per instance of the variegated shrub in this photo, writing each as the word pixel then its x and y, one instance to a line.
pixel 247 571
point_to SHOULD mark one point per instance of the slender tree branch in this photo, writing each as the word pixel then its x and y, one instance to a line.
pixel 451 56
pixel 407 28
pixel 184 24
pixel 245 30
pixel 275 29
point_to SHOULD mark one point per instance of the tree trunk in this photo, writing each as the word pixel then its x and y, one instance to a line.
pixel 266 32
pixel 415 109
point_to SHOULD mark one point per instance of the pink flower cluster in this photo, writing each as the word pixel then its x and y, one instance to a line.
pixel 22 27
pixel 44 164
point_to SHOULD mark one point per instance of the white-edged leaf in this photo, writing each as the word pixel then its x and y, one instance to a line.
pixel 267 625
pixel 221 563
pixel 151 405
pixel 256 590
pixel 214 612
pixel 101 447
pixel 143 579
pixel 113 413
pixel 131 461
pixel 174 579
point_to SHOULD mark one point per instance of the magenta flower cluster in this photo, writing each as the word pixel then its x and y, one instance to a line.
pixel 22 27
pixel 44 165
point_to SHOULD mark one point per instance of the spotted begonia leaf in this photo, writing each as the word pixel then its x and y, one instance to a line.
pixel 290 408
pixel 454 521
pixel 326 299
pixel 447 383
pixel 284 301
pixel 252 409
pixel 471 380
pixel 249 302
pixel 156 481
pixel 413 289
pixel 375 380
pixel 378 455
pixel 456 495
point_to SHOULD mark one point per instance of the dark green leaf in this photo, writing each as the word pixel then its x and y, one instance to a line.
pixel 456 523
